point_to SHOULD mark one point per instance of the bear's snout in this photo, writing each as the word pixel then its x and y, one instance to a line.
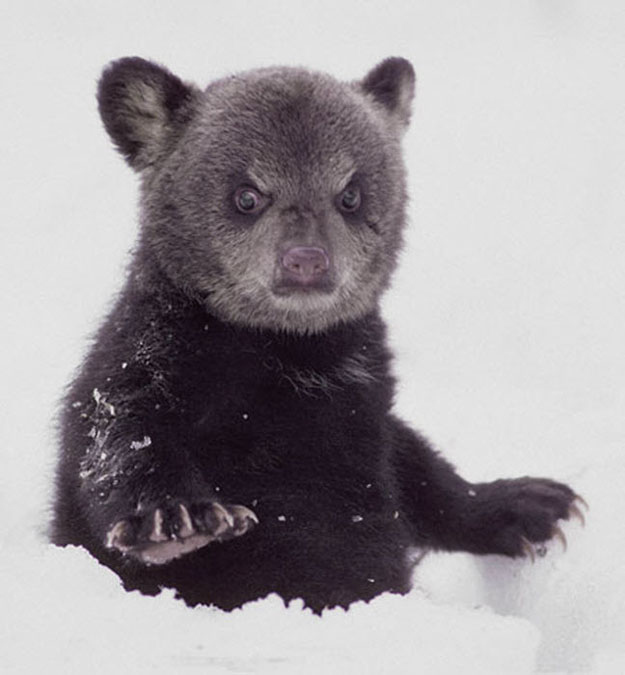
pixel 305 265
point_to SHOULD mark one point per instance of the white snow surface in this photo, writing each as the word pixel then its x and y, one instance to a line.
pixel 507 317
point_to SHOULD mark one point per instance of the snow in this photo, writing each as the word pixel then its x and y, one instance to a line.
pixel 117 632
pixel 145 442
pixel 507 316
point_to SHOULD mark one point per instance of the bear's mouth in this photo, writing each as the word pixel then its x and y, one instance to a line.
pixel 304 300
pixel 290 288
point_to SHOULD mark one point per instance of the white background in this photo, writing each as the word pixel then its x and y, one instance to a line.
pixel 507 316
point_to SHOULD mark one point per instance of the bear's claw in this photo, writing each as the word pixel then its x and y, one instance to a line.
pixel 532 549
pixel 576 512
pixel 162 534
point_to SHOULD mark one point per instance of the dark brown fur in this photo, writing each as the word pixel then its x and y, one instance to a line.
pixel 231 435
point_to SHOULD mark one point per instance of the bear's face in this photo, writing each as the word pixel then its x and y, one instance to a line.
pixel 276 196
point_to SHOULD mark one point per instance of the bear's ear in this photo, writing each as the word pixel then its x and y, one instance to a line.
pixel 144 108
pixel 392 84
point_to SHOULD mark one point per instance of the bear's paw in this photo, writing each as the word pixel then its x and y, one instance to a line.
pixel 517 517
pixel 166 532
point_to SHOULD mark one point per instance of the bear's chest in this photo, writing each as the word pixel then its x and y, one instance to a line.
pixel 289 432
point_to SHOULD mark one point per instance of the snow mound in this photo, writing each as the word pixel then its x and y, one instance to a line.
pixel 73 614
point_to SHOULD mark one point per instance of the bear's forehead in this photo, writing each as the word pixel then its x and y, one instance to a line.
pixel 284 102
pixel 280 87
pixel 287 119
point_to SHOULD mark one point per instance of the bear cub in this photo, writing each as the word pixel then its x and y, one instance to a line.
pixel 231 433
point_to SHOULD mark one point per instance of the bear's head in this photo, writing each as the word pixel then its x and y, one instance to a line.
pixel 276 197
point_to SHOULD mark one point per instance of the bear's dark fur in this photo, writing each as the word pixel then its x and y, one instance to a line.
pixel 231 433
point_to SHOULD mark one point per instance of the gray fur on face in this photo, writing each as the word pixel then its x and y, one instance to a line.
pixel 299 138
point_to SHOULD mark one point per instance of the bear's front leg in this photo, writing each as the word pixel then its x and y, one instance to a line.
pixel 152 507
pixel 137 493
pixel 507 517
pixel 513 516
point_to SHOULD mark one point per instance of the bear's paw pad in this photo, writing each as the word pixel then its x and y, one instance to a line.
pixel 161 534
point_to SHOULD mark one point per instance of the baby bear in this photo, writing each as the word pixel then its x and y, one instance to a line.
pixel 231 432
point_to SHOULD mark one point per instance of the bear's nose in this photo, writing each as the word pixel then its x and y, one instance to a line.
pixel 306 264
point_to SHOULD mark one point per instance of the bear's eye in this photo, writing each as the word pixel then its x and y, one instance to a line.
pixel 248 200
pixel 349 200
